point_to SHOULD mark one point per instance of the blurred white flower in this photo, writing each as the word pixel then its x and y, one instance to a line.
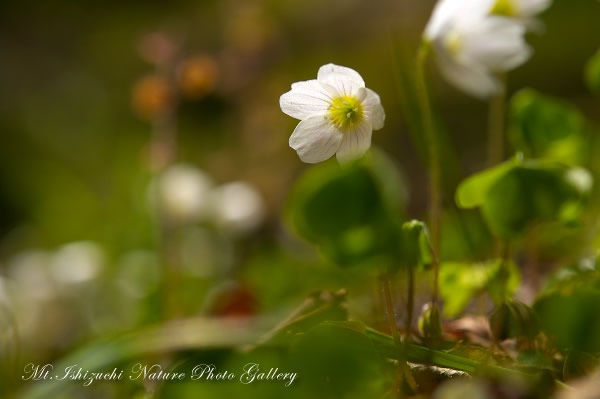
pixel 30 270
pixel 524 11
pixel 77 262
pixel 519 8
pixel 238 207
pixel 473 46
pixel 183 192
pixel 337 112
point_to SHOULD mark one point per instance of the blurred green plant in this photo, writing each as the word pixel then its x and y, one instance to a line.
pixel 592 74
pixel 351 213
pixel 461 282
pixel 517 194
pixel 543 127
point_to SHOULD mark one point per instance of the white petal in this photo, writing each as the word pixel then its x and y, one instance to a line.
pixel 307 98
pixel 496 42
pixel 356 142
pixel 373 109
pixel 448 12
pixel 473 79
pixel 316 139
pixel 332 73
pixel 529 8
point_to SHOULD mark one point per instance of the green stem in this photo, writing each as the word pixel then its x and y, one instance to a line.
pixel 505 256
pixel 389 305
pixel 435 187
pixel 496 127
pixel 410 303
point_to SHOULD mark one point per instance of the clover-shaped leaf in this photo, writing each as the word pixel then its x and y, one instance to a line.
pixel 517 194
pixel 547 128
pixel 460 282
pixel 349 212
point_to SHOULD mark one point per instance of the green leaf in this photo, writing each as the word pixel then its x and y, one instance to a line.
pixel 516 195
pixel 584 274
pixel 423 355
pixel 338 361
pixel 535 360
pixel 547 128
pixel 570 319
pixel 472 192
pixel 198 334
pixel 460 282
pixel 351 213
pixel 592 74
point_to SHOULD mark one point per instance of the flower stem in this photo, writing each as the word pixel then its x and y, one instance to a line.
pixel 435 183
pixel 410 303
pixel 496 125
pixel 389 306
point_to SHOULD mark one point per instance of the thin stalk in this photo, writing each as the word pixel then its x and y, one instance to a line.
pixel 164 142
pixel 496 125
pixel 389 305
pixel 410 303
pixel 435 182
pixel 505 256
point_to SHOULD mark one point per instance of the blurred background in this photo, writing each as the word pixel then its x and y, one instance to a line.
pixel 144 156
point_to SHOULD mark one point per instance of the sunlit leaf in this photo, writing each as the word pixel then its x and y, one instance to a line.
pixel 472 192
pixel 518 194
pixel 547 128
pixel 460 282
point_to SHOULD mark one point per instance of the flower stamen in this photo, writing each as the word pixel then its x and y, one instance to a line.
pixel 346 112
pixel 505 8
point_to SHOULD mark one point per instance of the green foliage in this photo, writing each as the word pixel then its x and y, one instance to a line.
pixel 547 128
pixel 416 244
pixel 351 213
pixel 517 194
pixel 570 319
pixel 592 74
pixel 513 319
pixel 460 282
pixel 430 322
pixel 338 362
pixel 583 275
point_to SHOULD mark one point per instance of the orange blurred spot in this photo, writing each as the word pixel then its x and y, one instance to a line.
pixel 151 96
pixel 197 76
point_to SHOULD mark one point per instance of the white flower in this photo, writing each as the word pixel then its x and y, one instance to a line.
pixel 183 192
pixel 77 262
pixel 472 46
pixel 337 112
pixel 238 207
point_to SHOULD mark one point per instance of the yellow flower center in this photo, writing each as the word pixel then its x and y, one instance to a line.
pixel 506 8
pixel 453 43
pixel 346 112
